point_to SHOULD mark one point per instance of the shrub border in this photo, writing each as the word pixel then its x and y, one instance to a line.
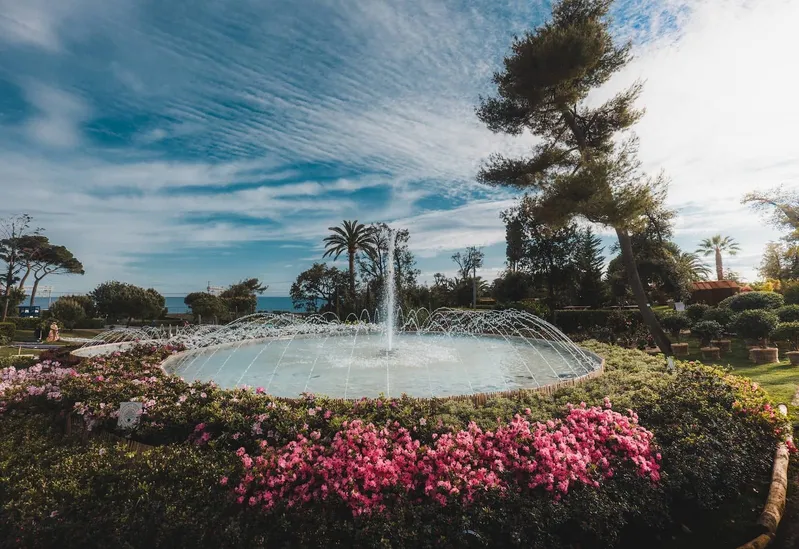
pixel 770 518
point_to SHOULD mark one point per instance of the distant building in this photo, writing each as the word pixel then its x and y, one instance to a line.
pixel 713 292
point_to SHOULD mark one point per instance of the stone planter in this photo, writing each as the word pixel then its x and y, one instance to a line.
pixel 793 356
pixel 679 349
pixel 711 353
pixel 723 344
pixel 760 355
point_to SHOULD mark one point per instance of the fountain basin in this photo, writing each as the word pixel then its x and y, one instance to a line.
pixel 420 364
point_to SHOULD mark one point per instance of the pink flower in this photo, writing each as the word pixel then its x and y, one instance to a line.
pixel 311 411
pixel 203 395
pixel 328 414
pixel 223 481
pixel 259 391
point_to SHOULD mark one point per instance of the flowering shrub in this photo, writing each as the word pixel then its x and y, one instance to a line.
pixel 362 464
pixel 255 470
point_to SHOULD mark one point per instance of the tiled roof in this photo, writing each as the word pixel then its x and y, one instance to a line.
pixel 714 285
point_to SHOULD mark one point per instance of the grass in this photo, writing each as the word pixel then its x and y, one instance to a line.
pixel 13 351
pixel 779 379
pixel 27 335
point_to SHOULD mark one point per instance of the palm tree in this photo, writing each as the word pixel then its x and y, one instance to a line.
pixel 351 237
pixel 716 245
pixel 691 265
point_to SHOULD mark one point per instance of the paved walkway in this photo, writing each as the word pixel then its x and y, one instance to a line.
pixel 33 345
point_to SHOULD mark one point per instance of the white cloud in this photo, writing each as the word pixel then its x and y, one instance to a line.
pixel 380 87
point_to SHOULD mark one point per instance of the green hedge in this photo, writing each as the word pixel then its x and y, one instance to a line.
pixel 7 331
pixel 56 492
pixel 572 322
pixel 749 301
pixel 32 323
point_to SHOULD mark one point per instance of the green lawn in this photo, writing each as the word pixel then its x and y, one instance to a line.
pixel 27 335
pixel 13 351
pixel 780 379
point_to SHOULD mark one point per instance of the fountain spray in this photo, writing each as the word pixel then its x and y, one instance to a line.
pixel 390 291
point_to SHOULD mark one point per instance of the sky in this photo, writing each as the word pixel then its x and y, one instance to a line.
pixel 169 144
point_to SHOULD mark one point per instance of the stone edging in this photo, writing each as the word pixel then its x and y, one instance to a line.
pixel 775 504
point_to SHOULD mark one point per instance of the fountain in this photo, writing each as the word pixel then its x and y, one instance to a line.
pixel 390 291
pixel 441 353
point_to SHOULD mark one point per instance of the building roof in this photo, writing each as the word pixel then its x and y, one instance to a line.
pixel 714 285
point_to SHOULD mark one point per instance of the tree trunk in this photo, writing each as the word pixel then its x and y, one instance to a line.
pixel 34 289
pixel 24 278
pixel 352 276
pixel 637 286
pixel 474 287
pixel 719 266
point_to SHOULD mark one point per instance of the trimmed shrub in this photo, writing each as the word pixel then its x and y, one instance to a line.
pixel 707 330
pixel 790 292
pixel 675 322
pixel 69 311
pixel 789 313
pixel 28 323
pixel 17 361
pixel 721 315
pixel 788 332
pixel 748 301
pixel 57 492
pixel 7 332
pixel 573 322
pixel 696 311
pixel 755 324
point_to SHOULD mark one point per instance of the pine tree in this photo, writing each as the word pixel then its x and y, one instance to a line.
pixel 580 167
pixel 590 263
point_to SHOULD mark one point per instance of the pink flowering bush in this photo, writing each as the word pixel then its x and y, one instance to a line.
pixel 363 465
pixel 527 471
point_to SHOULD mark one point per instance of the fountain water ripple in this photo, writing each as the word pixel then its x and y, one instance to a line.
pixel 444 352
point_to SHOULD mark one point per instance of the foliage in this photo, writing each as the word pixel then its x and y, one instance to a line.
pixel 675 322
pixel 780 261
pixel 511 286
pixel 790 292
pixel 747 301
pixel 707 330
pixel 16 235
pixel 787 331
pixel 352 237
pixel 590 263
pixel 85 301
pixel 208 306
pixel 783 207
pixel 755 324
pixel 319 283
pixel 69 311
pixel 723 316
pixel 7 331
pixel 242 298
pixel 373 266
pixel 716 246
pixel 696 311
pixel 119 300
pixel 788 313
pixel 56 491
pixel 573 322
pixel 583 164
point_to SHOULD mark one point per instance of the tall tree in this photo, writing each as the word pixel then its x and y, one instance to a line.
pixel 373 262
pixel 716 245
pixel 690 266
pixel 780 261
pixel 589 263
pixel 468 263
pixel 319 283
pixel 15 233
pixel 242 298
pixel 52 260
pixel 549 251
pixel 120 300
pixel 514 242
pixel 350 238
pixel 578 168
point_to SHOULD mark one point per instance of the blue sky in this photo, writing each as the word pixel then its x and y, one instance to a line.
pixel 173 143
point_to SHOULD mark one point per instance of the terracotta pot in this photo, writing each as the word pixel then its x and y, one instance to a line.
pixel 760 355
pixel 723 344
pixel 679 349
pixel 710 353
pixel 793 356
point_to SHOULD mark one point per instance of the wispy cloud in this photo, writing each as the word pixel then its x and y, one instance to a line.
pixel 137 132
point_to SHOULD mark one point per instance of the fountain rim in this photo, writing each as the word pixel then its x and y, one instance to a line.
pixel 476 398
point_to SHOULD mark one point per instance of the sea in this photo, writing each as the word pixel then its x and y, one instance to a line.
pixel 175 305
